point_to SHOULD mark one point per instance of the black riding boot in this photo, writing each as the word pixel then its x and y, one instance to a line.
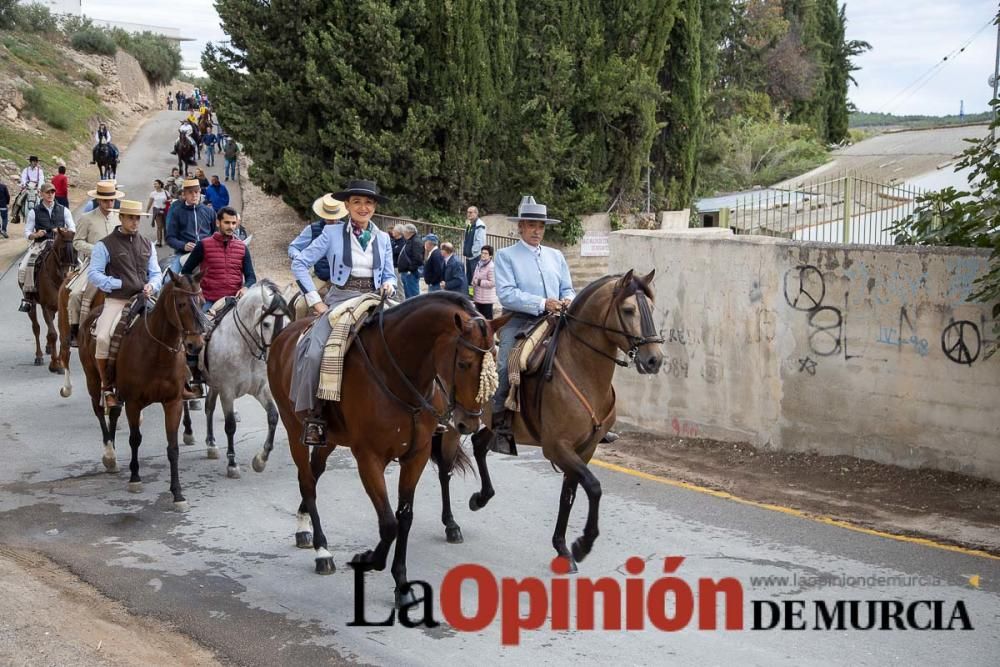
pixel 314 427
pixel 74 333
pixel 503 433
pixel 196 385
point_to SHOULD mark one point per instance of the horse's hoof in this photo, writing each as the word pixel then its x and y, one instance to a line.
pixel 212 452
pixel 325 565
pixel 477 501
pixel 258 463
pixel 58 370
pixel 110 463
pixel 454 535
pixel 304 540
pixel 189 439
pixel 65 392
pixel 579 553
pixel 407 599
pixel 233 472
pixel 366 561
pixel 135 487
pixel 181 505
pixel 38 361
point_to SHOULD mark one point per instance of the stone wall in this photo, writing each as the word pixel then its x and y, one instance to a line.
pixel 869 351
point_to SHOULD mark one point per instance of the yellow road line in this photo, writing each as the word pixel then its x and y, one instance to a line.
pixel 830 521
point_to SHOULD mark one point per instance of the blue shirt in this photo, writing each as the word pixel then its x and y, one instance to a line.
pixel 217 196
pixel 209 139
pixel 527 276
pixel 99 263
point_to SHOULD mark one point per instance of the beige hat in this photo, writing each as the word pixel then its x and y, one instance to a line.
pixel 131 208
pixel 191 183
pixel 106 190
pixel 329 208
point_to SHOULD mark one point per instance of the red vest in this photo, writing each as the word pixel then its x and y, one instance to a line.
pixel 222 267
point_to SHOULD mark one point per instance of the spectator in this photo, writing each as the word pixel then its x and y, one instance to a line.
pixel 209 140
pixel 216 194
pixel 199 173
pixel 398 243
pixel 4 204
pixel 472 243
pixel 411 261
pixel 434 266
pixel 61 184
pixel 158 203
pixel 454 271
pixel 231 153
pixel 484 292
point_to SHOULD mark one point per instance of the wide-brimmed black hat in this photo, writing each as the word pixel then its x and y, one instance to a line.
pixel 529 209
pixel 362 188
pixel 32 158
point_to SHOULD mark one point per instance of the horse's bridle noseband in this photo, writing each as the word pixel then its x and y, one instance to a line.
pixel 198 318
pixel 648 327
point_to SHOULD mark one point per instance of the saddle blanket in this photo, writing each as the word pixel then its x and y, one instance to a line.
pixel 27 275
pixel 524 361
pixel 121 324
pixel 343 319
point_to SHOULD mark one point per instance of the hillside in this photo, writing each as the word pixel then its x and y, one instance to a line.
pixel 52 97
pixel 884 121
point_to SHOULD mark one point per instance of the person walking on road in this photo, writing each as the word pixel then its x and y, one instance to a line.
pixel 231 153
pixel 188 222
pixel 209 140
pixel 61 184
pixel 4 205
pixel 216 194
pixel 158 203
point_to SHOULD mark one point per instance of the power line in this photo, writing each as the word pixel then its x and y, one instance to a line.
pixel 925 78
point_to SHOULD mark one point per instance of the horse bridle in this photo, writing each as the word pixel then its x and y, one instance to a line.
pixel 647 327
pixel 67 256
pixel 443 418
pixel 198 318
pixel 278 309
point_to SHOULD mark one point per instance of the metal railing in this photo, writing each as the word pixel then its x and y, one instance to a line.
pixel 452 234
pixel 848 209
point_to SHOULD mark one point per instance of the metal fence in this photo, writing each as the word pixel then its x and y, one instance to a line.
pixel 450 233
pixel 848 209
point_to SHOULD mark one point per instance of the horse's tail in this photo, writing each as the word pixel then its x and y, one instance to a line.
pixel 462 462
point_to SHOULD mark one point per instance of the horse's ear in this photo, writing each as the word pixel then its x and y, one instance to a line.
pixel 625 280
pixel 459 324
pixel 647 280
pixel 171 276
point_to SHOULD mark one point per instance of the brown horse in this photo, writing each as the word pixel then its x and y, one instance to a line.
pixel 60 260
pixel 389 379
pixel 150 368
pixel 568 414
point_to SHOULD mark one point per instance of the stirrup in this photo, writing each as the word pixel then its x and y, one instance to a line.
pixel 314 432
pixel 193 391
pixel 502 441
pixel 109 397
pixel 74 332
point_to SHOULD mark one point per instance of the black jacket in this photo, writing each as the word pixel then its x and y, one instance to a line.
pixel 434 268
pixel 411 258
pixel 4 196
pixel 397 247
pixel 454 275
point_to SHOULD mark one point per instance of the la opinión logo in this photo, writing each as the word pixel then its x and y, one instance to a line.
pixel 668 604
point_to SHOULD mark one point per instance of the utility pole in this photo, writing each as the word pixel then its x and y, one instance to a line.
pixel 996 76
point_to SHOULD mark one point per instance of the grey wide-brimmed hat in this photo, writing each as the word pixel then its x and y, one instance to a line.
pixel 529 209
pixel 362 188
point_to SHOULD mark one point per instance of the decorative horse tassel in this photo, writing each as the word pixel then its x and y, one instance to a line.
pixel 488 379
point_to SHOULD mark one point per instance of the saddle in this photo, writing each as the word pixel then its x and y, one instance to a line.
pixel 533 353
pixel 346 319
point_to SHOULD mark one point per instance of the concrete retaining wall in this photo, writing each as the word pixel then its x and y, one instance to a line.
pixel 870 351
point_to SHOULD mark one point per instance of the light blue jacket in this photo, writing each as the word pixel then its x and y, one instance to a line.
pixel 335 244
pixel 525 279
pixel 99 263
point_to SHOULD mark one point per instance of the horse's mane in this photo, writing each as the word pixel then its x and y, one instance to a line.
pixel 588 291
pixel 430 298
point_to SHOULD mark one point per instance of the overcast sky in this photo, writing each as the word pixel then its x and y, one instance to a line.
pixel 909 37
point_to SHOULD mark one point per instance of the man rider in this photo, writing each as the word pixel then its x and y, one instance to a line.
pixel 32 175
pixel 91 228
pixel 43 220
pixel 188 222
pixel 102 136
pixel 531 279
pixel 122 265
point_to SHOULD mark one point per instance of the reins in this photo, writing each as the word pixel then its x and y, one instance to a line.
pixel 254 338
pixel 192 294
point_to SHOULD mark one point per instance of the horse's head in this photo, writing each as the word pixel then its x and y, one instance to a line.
pixel 265 312
pixel 64 250
pixel 183 300
pixel 472 377
pixel 628 319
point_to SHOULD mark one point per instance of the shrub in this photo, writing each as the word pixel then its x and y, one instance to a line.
pixel 94 40
pixel 92 77
pixel 32 18
pixel 159 57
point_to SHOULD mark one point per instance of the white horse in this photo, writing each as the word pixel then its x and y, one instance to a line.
pixel 234 365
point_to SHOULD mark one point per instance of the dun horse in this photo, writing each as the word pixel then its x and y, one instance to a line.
pixel 150 368
pixel 235 361
pixel 389 376
pixel 568 414
pixel 58 262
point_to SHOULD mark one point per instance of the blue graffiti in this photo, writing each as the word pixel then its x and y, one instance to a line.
pixel 890 336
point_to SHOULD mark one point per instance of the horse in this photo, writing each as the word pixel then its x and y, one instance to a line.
pixel 205 123
pixel 107 162
pixel 150 368
pixel 235 363
pixel 59 260
pixel 389 372
pixel 567 409
pixel 64 332
pixel 186 149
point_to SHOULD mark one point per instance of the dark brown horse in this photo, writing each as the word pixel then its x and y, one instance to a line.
pixel 59 261
pixel 390 377
pixel 568 414
pixel 150 368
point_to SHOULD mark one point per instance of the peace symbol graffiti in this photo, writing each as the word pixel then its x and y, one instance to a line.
pixel 961 342
pixel 804 287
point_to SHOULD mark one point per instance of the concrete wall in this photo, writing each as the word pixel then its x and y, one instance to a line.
pixel 870 351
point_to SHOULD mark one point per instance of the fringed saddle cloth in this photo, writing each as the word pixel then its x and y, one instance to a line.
pixel 37 252
pixel 344 318
pixel 526 358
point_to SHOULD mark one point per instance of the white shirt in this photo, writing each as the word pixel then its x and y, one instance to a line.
pixel 362 260
pixel 32 175
pixel 29 226
pixel 159 198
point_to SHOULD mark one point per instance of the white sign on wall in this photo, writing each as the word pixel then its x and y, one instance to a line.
pixel 594 244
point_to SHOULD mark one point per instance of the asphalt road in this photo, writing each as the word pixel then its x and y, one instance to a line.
pixel 228 574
